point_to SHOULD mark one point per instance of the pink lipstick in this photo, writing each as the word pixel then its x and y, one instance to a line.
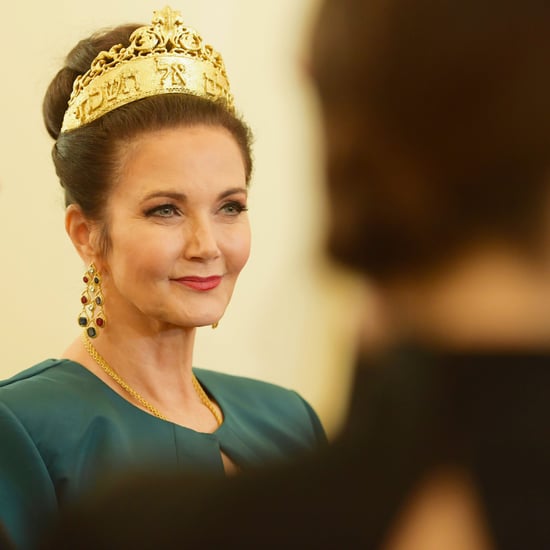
pixel 201 283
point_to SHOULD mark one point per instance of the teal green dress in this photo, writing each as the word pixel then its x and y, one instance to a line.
pixel 63 432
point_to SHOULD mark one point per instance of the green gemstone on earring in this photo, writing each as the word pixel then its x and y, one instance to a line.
pixel 82 321
pixel 91 332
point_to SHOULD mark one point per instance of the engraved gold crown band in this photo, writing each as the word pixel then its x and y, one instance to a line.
pixel 163 58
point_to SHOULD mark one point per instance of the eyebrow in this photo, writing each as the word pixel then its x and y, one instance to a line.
pixel 233 191
pixel 176 195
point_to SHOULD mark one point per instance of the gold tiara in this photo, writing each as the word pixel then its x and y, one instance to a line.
pixel 163 58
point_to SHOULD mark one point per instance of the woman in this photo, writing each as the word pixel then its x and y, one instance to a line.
pixel 437 122
pixel 155 165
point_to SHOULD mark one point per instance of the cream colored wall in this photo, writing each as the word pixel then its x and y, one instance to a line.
pixel 290 320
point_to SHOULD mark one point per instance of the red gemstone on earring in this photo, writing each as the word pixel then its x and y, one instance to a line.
pixel 99 322
pixel 85 279
pixel 84 300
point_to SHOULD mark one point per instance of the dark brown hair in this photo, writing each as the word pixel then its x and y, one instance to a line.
pixel 437 118
pixel 86 158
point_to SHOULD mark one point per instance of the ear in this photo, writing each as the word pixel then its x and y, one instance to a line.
pixel 83 233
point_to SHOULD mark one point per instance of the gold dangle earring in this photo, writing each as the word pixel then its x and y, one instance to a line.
pixel 215 325
pixel 92 316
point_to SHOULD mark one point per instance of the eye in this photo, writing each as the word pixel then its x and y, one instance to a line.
pixel 234 208
pixel 163 211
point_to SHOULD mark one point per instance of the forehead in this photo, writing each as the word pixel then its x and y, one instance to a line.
pixel 183 156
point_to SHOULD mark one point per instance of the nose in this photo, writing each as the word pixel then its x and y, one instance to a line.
pixel 200 241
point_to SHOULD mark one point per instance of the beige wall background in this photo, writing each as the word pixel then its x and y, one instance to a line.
pixel 292 317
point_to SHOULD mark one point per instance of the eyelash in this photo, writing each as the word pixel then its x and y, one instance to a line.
pixel 238 207
pixel 157 209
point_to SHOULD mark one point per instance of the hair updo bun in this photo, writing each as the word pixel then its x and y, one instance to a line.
pixel 77 62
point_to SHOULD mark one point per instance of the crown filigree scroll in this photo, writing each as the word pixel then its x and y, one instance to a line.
pixel 165 57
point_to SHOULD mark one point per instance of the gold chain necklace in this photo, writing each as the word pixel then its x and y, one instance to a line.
pixel 94 354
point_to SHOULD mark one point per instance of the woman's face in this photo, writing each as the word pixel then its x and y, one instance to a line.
pixel 178 228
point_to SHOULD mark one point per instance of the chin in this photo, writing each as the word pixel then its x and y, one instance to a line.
pixel 194 317
pixel 198 323
pixel 203 321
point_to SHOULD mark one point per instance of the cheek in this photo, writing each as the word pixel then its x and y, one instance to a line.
pixel 237 249
pixel 139 254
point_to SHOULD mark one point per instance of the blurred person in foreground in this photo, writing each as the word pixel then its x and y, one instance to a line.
pixel 437 123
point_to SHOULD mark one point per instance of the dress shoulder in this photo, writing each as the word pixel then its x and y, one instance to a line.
pixel 31 372
pixel 55 392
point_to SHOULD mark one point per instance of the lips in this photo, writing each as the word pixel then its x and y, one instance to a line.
pixel 201 283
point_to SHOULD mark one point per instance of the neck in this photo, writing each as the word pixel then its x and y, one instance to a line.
pixel 158 367
pixel 489 300
pixel 156 359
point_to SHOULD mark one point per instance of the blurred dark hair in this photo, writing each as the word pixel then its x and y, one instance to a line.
pixel 437 117
pixel 86 158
